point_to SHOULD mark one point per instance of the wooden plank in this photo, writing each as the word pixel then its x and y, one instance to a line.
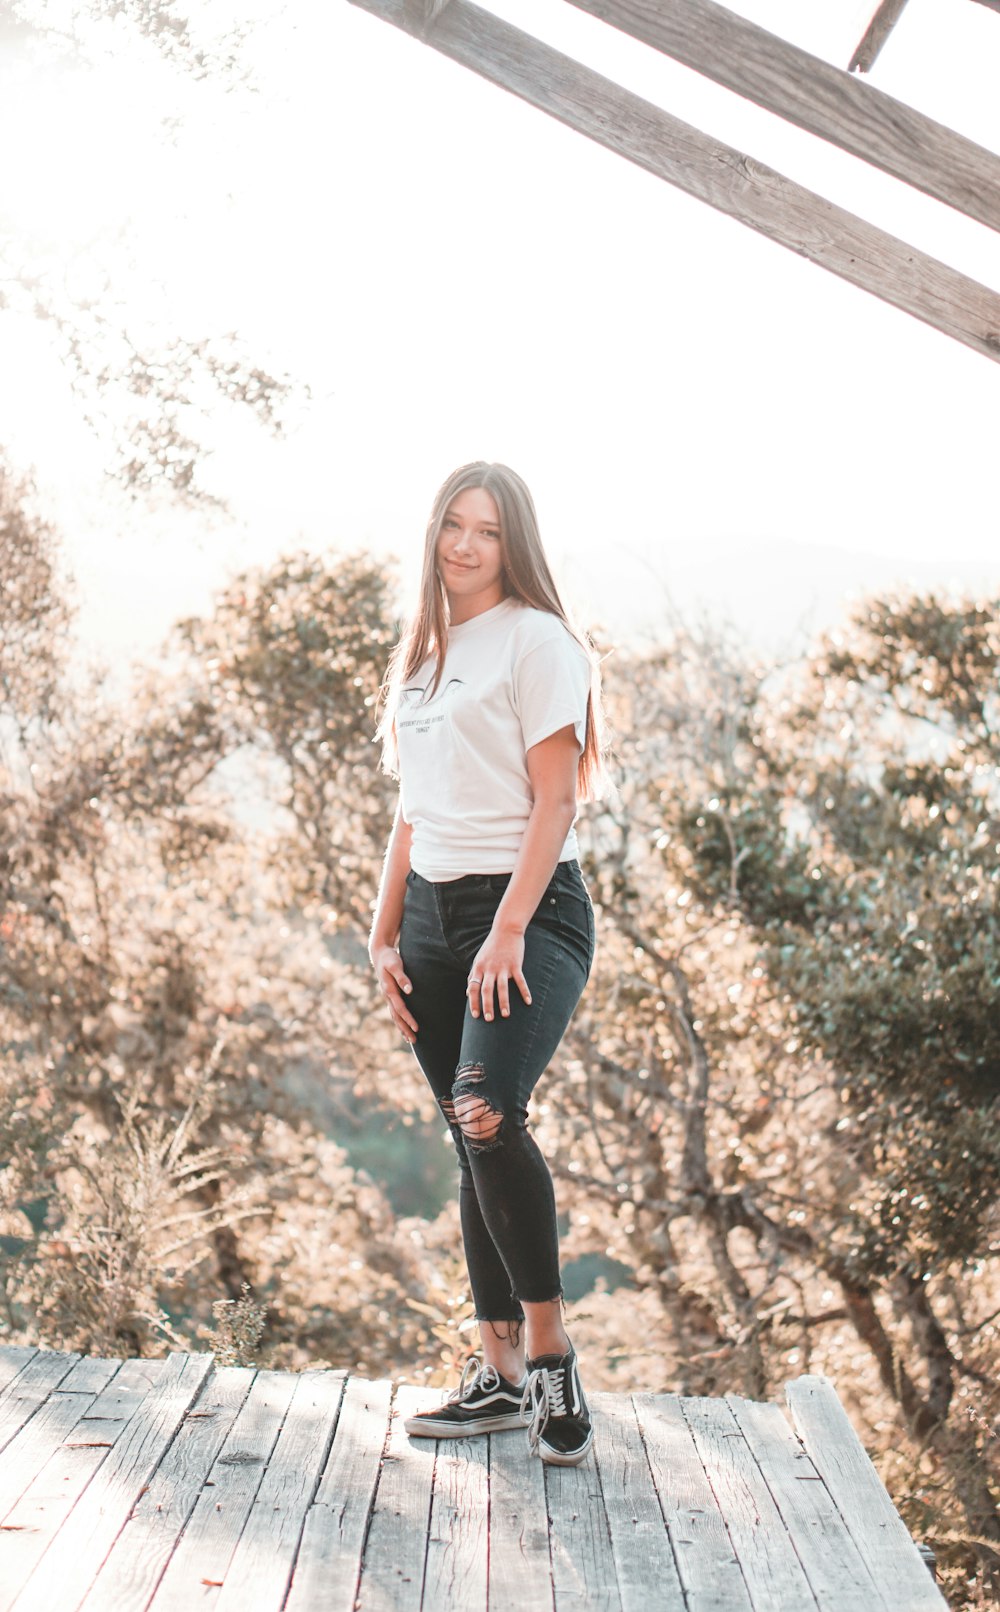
pixel 717 174
pixel 458 1533
pixel 30 1528
pixel 825 100
pixel 65 1572
pixel 30 1389
pixel 520 1566
pixel 198 1565
pixel 261 1568
pixel 773 1572
pixel 872 1520
pixel 116 1404
pixel 40 1375
pixel 12 1362
pixel 703 1550
pixel 32 1447
pixel 328 1565
pixel 425 12
pixel 839 1578
pixel 583 1568
pixel 609 1546
pixel 644 1562
pixel 875 35
pixel 392 1573
pixel 91 1375
pixel 139 1556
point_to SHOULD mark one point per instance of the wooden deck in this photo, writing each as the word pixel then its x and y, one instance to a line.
pixel 171 1485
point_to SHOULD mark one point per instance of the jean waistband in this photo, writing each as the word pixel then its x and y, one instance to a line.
pixel 478 881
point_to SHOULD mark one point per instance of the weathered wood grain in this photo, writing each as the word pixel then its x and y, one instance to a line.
pixel 427 11
pixel 773 1572
pixel 37 1441
pixel 34 1523
pixel 66 1571
pixel 520 1568
pixel 708 1568
pixel 328 1565
pixel 118 1514
pixel 725 178
pixel 117 1403
pixel 583 1568
pixel 13 1360
pixel 30 1389
pixel 825 100
pixel 458 1533
pixel 199 1564
pixel 839 1578
pixel 138 1557
pixel 396 1549
pixel 872 1520
pixel 91 1375
pixel 887 14
pixel 260 1571
pixel 644 1562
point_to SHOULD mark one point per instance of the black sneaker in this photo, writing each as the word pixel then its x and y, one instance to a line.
pixel 483 1402
pixel 555 1408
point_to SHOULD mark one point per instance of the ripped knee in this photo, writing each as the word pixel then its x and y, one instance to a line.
pixel 470 1113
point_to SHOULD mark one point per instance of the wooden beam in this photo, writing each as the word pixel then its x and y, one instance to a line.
pixel 717 174
pixel 424 14
pixel 825 100
pixel 875 35
pixel 432 9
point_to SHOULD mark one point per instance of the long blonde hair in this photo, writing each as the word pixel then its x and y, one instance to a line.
pixel 526 576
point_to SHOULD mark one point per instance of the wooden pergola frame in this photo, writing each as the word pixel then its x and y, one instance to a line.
pixel 884 20
pixel 799 87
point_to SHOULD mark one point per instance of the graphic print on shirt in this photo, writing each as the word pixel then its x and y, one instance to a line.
pixel 411 698
pixel 513 675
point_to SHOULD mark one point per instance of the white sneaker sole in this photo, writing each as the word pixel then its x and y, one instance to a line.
pixel 422 1427
pixel 565 1457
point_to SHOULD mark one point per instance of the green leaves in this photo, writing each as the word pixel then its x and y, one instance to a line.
pixel 875 889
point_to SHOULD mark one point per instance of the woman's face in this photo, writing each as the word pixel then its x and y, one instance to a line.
pixel 468 554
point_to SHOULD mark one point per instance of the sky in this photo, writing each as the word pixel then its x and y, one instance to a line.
pixel 703 417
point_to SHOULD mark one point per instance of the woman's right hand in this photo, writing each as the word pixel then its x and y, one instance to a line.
pixel 393 984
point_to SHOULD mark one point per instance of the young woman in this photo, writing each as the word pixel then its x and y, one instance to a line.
pixel 483 934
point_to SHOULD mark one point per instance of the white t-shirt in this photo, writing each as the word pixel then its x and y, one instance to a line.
pixel 513 675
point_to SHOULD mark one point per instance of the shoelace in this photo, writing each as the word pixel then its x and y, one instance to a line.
pixel 474 1375
pixel 543 1398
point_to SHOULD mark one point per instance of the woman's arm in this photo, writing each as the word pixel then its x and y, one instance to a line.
pixel 382 943
pixel 552 768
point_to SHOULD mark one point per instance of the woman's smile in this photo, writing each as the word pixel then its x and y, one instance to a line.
pixel 469 554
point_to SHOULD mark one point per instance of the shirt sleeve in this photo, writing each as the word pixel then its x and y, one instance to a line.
pixel 551 688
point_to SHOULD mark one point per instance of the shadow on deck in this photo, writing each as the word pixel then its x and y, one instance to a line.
pixel 170 1485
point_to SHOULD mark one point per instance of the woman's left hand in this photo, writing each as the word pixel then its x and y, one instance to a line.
pixel 498 962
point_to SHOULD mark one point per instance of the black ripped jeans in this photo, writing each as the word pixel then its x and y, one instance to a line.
pixel 507 1204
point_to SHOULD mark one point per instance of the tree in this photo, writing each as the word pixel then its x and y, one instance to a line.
pixel 152 394
pixel 782 1085
pixel 159 988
